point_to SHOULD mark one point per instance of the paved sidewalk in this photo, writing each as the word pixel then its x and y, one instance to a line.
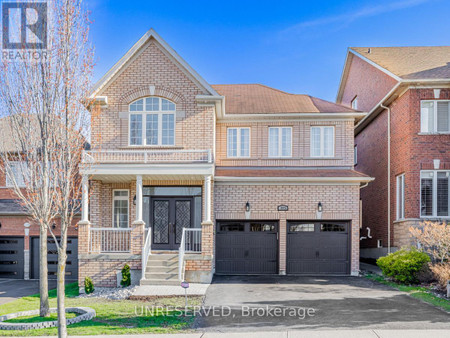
pixel 302 334
pixel 168 290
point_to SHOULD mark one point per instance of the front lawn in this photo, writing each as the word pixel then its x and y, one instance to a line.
pixel 423 293
pixel 113 316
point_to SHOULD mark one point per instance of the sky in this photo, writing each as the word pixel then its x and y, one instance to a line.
pixel 295 46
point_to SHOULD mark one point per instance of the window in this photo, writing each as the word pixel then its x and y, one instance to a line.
pixel 355 103
pixel 332 227
pixel 262 227
pixel 355 155
pixel 238 142
pixel 322 141
pixel 434 188
pixel 280 142
pixel 435 116
pixel 19 171
pixel 152 122
pixel 302 227
pixel 120 208
pixel 401 197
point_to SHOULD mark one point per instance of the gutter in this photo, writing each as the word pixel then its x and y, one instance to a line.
pixel 389 175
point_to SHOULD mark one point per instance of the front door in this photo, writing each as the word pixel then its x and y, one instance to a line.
pixel 169 216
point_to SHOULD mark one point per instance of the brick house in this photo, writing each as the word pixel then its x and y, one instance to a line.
pixel 404 140
pixel 19 235
pixel 191 179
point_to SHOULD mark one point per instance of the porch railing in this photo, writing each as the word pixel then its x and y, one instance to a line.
pixel 148 156
pixel 113 240
pixel 191 242
pixel 146 251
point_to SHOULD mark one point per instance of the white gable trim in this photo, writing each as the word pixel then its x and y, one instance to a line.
pixel 133 50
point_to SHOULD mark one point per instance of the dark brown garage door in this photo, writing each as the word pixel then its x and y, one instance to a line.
pixel 318 248
pixel 247 247
pixel 52 257
pixel 11 257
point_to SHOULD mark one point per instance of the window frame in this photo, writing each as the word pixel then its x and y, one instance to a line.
pixel 434 131
pixel 434 198
pixel 238 142
pixel 128 207
pixel 355 155
pixel 144 114
pixel 400 194
pixel 280 142
pixel 322 142
pixel 8 183
pixel 354 103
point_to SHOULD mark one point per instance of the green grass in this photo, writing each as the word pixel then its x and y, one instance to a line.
pixel 38 319
pixel 113 316
pixel 419 292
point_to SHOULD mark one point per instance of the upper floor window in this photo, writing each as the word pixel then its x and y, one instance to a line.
pixel 322 141
pixel 238 142
pixel 355 103
pixel 435 116
pixel 152 122
pixel 280 142
pixel 434 188
pixel 19 172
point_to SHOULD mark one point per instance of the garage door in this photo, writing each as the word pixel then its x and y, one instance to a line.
pixel 247 247
pixel 11 257
pixel 318 248
pixel 71 264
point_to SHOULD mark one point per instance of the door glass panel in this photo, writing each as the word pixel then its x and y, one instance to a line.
pixel 161 222
pixel 301 227
pixel 226 227
pixel 259 227
pixel 146 211
pixel 182 218
pixel 332 227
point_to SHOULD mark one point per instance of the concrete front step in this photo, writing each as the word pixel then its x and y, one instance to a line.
pixel 162 269
pixel 162 264
pixel 153 281
pixel 162 276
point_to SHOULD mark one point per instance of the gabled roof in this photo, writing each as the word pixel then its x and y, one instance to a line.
pixel 151 34
pixel 260 99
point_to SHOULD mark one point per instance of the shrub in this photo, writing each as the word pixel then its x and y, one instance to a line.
pixel 88 285
pixel 434 237
pixel 442 274
pixel 126 276
pixel 404 265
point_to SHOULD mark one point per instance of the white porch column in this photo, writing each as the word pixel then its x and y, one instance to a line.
pixel 85 199
pixel 139 200
pixel 207 204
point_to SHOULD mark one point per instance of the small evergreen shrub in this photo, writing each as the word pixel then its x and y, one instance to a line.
pixel 404 265
pixel 88 285
pixel 126 276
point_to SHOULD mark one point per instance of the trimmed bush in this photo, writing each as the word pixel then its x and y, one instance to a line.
pixel 404 265
pixel 88 285
pixel 126 276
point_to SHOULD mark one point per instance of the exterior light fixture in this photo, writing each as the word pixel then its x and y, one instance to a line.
pixel 247 206
pixel 134 200
pixel 319 207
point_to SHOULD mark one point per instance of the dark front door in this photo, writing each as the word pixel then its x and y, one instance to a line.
pixel 169 216
pixel 11 257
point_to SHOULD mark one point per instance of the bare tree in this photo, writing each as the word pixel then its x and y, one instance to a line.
pixel 46 107
pixel 434 238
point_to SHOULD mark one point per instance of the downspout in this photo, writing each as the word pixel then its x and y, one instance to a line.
pixel 389 174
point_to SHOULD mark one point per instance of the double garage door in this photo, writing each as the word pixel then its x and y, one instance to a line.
pixel 252 247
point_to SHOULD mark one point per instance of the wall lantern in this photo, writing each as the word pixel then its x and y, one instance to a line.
pixel 134 200
pixel 319 207
pixel 0 224
pixel 247 206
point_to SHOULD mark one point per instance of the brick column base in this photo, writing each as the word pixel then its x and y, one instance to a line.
pixel 137 237
pixel 207 238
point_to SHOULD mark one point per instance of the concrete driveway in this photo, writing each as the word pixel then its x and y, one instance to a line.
pixel 250 303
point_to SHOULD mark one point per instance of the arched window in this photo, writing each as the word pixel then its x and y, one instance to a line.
pixel 152 122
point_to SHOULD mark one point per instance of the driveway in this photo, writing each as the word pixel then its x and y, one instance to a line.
pixel 250 303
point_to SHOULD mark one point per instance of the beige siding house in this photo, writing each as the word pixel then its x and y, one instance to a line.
pixel 186 179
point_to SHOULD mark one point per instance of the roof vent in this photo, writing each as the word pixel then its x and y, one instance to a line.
pixel 369 50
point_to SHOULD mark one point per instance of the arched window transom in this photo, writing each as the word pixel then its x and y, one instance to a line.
pixel 152 122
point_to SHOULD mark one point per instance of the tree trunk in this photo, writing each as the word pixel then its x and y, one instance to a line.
pixel 62 257
pixel 43 274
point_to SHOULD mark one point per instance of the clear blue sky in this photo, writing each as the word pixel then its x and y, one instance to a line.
pixel 296 46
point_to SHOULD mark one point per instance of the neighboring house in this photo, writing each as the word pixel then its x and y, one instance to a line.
pixel 404 140
pixel 19 235
pixel 249 179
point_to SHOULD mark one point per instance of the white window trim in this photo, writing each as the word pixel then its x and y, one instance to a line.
pixel 434 198
pixel 144 123
pixel 355 154
pixel 238 143
pixel 121 198
pixel 322 142
pixel 280 142
pixel 400 195
pixel 435 122
pixel 354 103
pixel 8 183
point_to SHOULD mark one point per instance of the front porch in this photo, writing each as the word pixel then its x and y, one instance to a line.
pixel 154 215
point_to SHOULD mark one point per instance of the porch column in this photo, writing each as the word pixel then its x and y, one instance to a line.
pixel 139 198
pixel 85 199
pixel 207 199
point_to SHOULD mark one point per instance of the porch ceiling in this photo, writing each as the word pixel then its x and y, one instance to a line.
pixel 131 178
